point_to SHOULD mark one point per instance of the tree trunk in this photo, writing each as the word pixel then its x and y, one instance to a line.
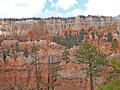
pixel 91 76
pixel 48 72
pixel 20 88
pixel 91 82
pixel 115 51
pixel 36 69
pixel 52 73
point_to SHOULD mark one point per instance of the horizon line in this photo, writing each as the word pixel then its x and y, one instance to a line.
pixel 53 17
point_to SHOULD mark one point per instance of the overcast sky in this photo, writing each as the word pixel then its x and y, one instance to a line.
pixel 62 8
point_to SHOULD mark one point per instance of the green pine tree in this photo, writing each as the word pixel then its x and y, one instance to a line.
pixel 65 56
pixel 113 79
pixel 88 54
pixel 114 45
pixel 112 85
pixel 0 42
pixel 109 37
pixel 115 72
pixel 34 51
pixel 80 36
pixel 4 55
pixel 26 53
pixel 93 35
pixel 16 47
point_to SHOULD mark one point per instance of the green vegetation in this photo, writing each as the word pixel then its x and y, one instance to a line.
pixel 114 45
pixel 93 35
pixel 0 42
pixel 53 69
pixel 70 40
pixel 80 36
pixel 26 53
pixel 89 55
pixel 54 76
pixel 34 51
pixel 109 37
pixel 115 72
pixel 99 37
pixel 65 56
pixel 16 47
pixel 113 78
pixel 5 52
pixel 112 85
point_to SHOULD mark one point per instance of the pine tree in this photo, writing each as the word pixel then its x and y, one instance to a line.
pixel 88 54
pixel 34 51
pixel 112 85
pixel 93 35
pixel 4 53
pixel 66 39
pixel 16 47
pixel 70 34
pixel 53 74
pixel 113 79
pixel 80 36
pixel 8 51
pixel 99 37
pixel 26 53
pixel 66 36
pixel 114 45
pixel 115 72
pixel 109 37
pixel 0 42
pixel 65 56
pixel 74 40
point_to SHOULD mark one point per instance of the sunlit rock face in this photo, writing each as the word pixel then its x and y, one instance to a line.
pixel 22 70
pixel 19 69
pixel 53 25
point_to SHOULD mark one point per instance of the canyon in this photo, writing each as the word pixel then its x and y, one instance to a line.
pixel 55 24
pixel 17 72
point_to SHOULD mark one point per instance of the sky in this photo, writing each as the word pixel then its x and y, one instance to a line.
pixel 58 8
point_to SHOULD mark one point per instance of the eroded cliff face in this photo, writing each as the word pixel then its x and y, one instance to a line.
pixel 18 72
pixel 53 25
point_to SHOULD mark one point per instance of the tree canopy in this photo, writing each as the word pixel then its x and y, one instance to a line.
pixel 94 59
pixel 114 45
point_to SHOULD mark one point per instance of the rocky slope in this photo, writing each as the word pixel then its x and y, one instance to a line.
pixel 53 25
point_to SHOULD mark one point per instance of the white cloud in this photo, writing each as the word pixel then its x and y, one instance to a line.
pixel 103 7
pixel 74 12
pixel 77 12
pixel 53 5
pixel 50 0
pixel 50 13
pixel 66 4
pixel 34 8
pixel 21 8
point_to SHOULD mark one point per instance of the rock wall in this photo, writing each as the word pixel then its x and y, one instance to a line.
pixel 53 25
pixel 20 74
